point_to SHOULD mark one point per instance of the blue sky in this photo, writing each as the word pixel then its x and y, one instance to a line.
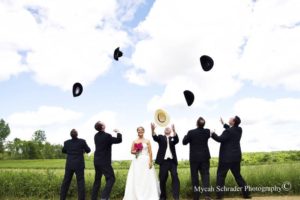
pixel 47 46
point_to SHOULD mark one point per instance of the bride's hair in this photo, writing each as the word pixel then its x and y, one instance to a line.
pixel 141 128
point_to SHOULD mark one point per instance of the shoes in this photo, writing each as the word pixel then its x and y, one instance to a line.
pixel 207 198
pixel 247 197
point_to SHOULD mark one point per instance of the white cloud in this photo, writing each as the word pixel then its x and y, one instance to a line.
pixel 176 34
pixel 256 41
pixel 270 57
pixel 65 41
pixel 10 63
pixel 257 110
pixel 53 120
pixel 269 125
pixel 44 116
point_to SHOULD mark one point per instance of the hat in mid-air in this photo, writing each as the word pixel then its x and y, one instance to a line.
pixel 117 53
pixel 189 97
pixel 207 62
pixel 161 118
pixel 77 89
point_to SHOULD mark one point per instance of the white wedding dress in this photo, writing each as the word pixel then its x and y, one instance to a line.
pixel 142 182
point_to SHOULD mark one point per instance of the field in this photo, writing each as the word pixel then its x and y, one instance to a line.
pixel 41 179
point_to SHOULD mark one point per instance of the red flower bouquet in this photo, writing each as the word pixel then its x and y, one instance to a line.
pixel 138 148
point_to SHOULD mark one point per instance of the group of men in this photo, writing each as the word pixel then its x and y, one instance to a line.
pixel 75 148
pixel 229 159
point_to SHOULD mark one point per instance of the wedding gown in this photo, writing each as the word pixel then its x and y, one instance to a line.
pixel 142 182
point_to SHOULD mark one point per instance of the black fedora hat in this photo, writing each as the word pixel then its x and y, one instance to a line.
pixel 117 53
pixel 207 62
pixel 77 89
pixel 189 97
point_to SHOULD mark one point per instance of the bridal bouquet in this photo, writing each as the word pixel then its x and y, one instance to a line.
pixel 138 147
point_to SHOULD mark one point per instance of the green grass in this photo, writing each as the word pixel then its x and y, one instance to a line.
pixel 30 179
pixel 254 158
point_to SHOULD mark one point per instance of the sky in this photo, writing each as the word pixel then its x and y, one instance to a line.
pixel 46 46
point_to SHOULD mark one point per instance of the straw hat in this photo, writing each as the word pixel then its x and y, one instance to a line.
pixel 161 118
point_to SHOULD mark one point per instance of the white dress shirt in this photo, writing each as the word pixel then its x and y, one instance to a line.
pixel 168 150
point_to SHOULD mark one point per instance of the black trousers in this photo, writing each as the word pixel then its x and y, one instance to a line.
pixel 203 168
pixel 109 174
pixel 165 167
pixel 67 181
pixel 235 168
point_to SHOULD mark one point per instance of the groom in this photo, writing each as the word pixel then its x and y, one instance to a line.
pixel 167 160
pixel 102 160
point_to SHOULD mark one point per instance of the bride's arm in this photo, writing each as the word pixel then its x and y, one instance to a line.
pixel 150 154
pixel 132 149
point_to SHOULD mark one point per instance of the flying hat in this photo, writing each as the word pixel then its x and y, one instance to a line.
pixel 161 118
pixel 77 89
pixel 206 62
pixel 189 97
pixel 117 53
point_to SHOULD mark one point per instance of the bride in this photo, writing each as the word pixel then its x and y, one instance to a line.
pixel 141 183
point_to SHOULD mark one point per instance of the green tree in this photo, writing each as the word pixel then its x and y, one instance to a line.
pixel 39 136
pixel 4 132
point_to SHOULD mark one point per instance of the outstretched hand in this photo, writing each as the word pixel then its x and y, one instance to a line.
pixel 153 127
pixel 116 131
pixel 173 129
pixel 221 120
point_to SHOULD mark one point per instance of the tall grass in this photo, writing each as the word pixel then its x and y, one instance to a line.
pixel 254 158
pixel 45 183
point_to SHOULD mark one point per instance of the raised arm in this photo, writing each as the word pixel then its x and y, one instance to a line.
pixel 186 139
pixel 118 139
pixel 226 126
pixel 176 139
pixel 222 138
pixel 154 136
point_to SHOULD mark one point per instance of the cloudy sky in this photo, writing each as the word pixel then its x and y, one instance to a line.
pixel 46 46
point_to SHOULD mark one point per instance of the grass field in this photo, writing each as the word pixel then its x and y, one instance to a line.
pixel 41 179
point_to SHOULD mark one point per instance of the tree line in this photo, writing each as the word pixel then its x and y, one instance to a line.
pixel 36 148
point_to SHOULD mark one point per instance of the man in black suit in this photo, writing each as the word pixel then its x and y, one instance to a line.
pixel 230 156
pixel 167 160
pixel 74 148
pixel 199 157
pixel 102 160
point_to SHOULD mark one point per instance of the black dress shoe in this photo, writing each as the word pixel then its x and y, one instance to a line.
pixel 247 197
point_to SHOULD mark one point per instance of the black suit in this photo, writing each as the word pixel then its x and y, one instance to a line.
pixel 230 157
pixel 102 162
pixel 74 148
pixel 167 165
pixel 199 158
